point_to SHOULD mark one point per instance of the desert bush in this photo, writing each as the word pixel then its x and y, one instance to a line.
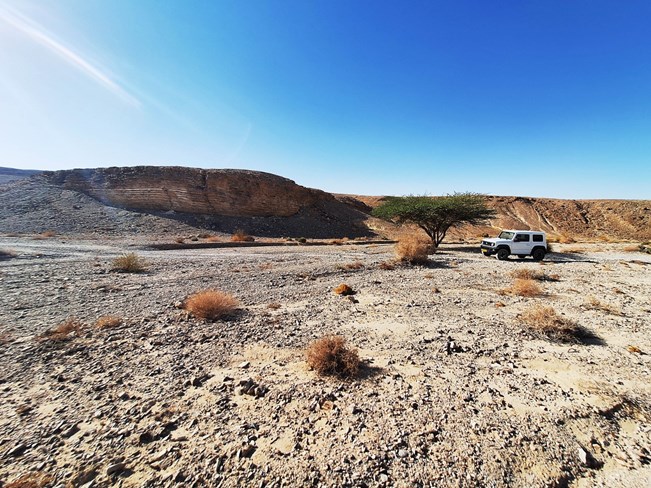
pixel 179 240
pixel 47 234
pixel 524 288
pixel 240 236
pixel 211 304
pixel 344 290
pixel 595 304
pixel 330 356
pixel 108 322
pixel 129 263
pixel 274 306
pixel 30 480
pixel 565 239
pixel 387 265
pixel 213 239
pixel 543 321
pixel 354 265
pixel 413 249
pixel 63 331
pixel 533 274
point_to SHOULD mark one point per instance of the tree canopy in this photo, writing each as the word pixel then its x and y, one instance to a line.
pixel 436 215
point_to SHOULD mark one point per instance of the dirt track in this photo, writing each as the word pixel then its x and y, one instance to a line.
pixel 455 391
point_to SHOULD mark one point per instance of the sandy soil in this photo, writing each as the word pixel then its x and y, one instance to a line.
pixel 455 389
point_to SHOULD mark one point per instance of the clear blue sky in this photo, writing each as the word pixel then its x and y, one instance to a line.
pixel 534 98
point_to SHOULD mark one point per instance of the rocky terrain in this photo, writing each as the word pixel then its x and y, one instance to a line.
pixel 455 389
pixel 575 219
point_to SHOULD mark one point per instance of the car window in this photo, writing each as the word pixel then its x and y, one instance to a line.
pixel 522 237
pixel 506 235
pixel 537 238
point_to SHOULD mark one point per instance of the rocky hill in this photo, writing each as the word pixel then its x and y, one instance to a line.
pixel 11 174
pixel 153 199
pixel 579 219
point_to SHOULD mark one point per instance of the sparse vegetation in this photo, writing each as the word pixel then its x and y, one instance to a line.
pixel 545 322
pixel 329 356
pixel 533 274
pixel 63 331
pixel 524 288
pixel 413 249
pixel 211 304
pixel 129 263
pixel 30 480
pixel 47 234
pixel 6 338
pixel 436 215
pixel 108 322
pixel 595 304
pixel 387 265
pixel 351 266
pixel 274 306
pixel 240 236
pixel 344 290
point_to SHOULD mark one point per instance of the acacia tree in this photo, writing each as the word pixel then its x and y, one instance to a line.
pixel 436 215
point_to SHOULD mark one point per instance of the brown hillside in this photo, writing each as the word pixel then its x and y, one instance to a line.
pixel 583 219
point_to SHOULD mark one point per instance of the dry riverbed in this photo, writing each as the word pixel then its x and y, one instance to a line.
pixel 454 391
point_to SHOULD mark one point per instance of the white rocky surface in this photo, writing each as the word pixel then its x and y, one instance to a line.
pixel 454 391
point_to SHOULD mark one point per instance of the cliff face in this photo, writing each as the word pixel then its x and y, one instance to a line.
pixel 236 193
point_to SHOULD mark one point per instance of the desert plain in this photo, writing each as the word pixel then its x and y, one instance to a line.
pixel 455 388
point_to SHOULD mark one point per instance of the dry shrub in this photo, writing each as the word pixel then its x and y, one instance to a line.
pixel 544 321
pixel 211 304
pixel 500 305
pixel 632 248
pixel 344 290
pixel 213 239
pixel 30 480
pixel 575 250
pixel 63 331
pixel 596 304
pixel 129 263
pixel 47 234
pixel 108 322
pixel 240 236
pixel 336 242
pixel 331 357
pixel 387 265
pixel 274 306
pixel 533 274
pixel 523 288
pixel 565 239
pixel 355 265
pixel 413 249
pixel 179 240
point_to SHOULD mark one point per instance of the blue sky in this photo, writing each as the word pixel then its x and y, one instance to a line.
pixel 532 98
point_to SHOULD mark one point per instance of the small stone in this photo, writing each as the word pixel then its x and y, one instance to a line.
pixel 70 431
pixel 115 468
pixel 403 453
pixel 17 451
pixel 123 395
pixel 244 365
pixel 240 390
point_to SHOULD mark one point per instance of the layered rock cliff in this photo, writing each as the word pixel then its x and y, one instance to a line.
pixel 228 192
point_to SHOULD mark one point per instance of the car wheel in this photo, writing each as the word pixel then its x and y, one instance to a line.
pixel 522 256
pixel 502 254
pixel 538 254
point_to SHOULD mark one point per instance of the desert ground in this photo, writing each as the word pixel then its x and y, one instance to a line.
pixel 455 387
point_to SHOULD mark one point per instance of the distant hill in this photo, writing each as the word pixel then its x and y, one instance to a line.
pixel 12 174
pixel 152 198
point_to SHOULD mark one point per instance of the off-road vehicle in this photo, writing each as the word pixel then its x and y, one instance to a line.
pixel 522 243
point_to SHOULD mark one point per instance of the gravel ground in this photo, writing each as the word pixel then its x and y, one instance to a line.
pixel 454 390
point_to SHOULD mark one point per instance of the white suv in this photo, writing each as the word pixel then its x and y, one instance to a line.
pixel 522 243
